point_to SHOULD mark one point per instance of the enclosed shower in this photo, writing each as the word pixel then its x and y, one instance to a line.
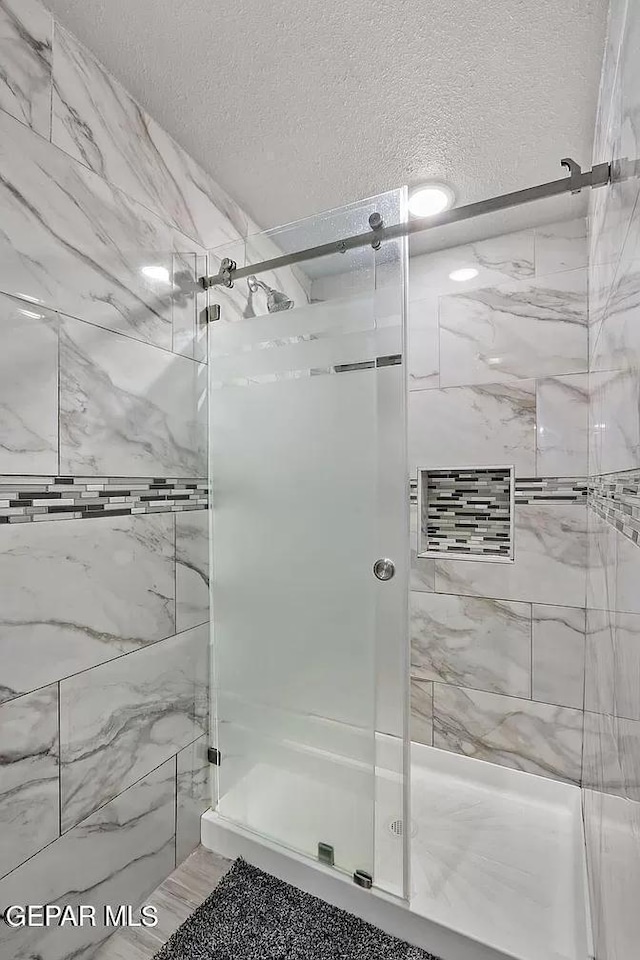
pixel 398 465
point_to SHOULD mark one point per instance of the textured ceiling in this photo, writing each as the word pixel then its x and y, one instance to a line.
pixel 298 106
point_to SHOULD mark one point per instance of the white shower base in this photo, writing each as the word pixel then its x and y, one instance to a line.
pixel 497 855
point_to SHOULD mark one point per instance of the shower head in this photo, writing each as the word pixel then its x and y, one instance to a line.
pixel 276 300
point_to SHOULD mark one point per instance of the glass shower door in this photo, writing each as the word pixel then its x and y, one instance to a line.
pixel 309 490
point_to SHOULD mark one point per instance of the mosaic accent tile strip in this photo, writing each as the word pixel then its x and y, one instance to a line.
pixel 534 489
pixel 556 489
pixel 616 498
pixel 467 512
pixel 29 499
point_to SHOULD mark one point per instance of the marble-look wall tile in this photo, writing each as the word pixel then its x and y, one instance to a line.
pixel 73 242
pixel 601 766
pixel 483 425
pixel 192 569
pixel 128 408
pixel 614 421
pixel 627 590
pixel 117 855
pixel 25 54
pixel 561 246
pixel 602 558
pixel 472 642
pixel 600 666
pixel 97 122
pixel 550 560
pixel 501 333
pixel 29 804
pixel 421 711
pixel 628 735
pixel 613 664
pixel 497 259
pixel 77 593
pixel 612 721
pixel 562 426
pixel 194 795
pixel 28 388
pixel 534 737
pixel 422 574
pixel 617 343
pixel 121 719
pixel 184 304
pixel 423 344
pixel 559 655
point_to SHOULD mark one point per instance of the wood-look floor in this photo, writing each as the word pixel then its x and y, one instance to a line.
pixel 175 899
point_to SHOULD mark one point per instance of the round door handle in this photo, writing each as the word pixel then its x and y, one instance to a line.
pixel 384 568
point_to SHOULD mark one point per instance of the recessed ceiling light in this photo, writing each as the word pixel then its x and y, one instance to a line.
pixel 155 272
pixel 31 314
pixel 466 273
pixel 430 199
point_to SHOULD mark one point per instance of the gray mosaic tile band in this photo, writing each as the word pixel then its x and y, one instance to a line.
pixel 28 499
pixel 534 489
pixel 616 498
pixel 556 489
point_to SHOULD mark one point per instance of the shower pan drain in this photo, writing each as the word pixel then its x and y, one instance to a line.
pixel 396 827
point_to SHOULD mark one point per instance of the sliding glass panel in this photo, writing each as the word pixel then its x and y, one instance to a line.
pixel 306 428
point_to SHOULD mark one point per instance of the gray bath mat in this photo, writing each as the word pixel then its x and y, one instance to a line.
pixel 254 916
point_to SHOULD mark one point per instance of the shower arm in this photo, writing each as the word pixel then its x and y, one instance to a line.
pixel 599 176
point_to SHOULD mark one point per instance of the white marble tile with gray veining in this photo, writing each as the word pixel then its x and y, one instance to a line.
pixel 421 726
pixel 561 246
pixel 97 122
pixel 601 766
pixel 617 344
pixel 558 655
pixel 29 804
pixel 194 795
pixel 28 389
pixel 622 141
pixel 116 856
pixel 534 737
pixel 183 306
pixel 73 242
pixel 482 425
pixel 602 553
pixel 614 421
pixel 127 408
pixel 602 672
pixel 422 575
pixel 502 333
pixel 627 590
pixel 562 426
pixel 496 260
pixel 550 562
pixel 192 569
pixel 472 642
pixel 121 719
pixel 78 593
pixel 423 344
pixel 25 63
pixel 613 663
pixel 628 736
